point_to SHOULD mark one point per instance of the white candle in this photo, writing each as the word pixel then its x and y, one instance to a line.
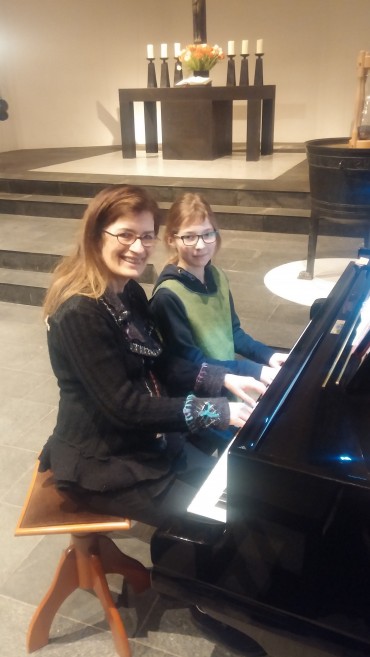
pixel 163 50
pixel 176 49
pixel 245 47
pixel 231 47
pixel 259 47
pixel 150 51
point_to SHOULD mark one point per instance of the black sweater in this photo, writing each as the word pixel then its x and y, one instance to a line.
pixel 105 436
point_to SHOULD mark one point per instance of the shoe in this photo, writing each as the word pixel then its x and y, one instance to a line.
pixel 228 635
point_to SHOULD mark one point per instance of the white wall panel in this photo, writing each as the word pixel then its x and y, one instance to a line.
pixel 62 62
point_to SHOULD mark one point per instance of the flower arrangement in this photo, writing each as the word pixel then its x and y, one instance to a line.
pixel 201 56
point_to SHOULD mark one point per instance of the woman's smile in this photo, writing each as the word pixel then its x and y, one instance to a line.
pixel 125 261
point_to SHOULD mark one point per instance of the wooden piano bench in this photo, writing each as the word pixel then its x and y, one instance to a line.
pixel 84 564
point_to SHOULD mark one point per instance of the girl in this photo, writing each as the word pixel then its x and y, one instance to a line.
pixel 119 441
pixel 192 305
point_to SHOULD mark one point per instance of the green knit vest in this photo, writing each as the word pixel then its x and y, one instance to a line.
pixel 209 316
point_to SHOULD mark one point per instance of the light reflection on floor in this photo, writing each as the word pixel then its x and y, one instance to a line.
pixel 284 282
pixel 234 167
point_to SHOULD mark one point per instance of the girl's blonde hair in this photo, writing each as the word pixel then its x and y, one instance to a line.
pixel 188 209
pixel 84 272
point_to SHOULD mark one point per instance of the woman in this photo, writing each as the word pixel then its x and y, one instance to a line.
pixel 119 440
pixel 192 304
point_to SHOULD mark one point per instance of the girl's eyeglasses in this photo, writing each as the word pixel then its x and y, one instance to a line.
pixel 192 240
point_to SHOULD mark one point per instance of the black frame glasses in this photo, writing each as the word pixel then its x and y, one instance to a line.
pixel 192 240
pixel 128 237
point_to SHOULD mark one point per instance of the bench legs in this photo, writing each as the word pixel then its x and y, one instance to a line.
pixel 84 565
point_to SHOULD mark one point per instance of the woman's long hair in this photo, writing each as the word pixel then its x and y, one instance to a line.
pixel 186 210
pixel 84 272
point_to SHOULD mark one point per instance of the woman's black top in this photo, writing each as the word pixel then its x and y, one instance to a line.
pixel 112 374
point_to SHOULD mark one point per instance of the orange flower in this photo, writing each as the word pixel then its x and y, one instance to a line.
pixel 201 56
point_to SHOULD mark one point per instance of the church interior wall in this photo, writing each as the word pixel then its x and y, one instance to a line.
pixel 62 63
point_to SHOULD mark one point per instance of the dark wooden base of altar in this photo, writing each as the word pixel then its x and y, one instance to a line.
pixel 196 130
pixel 197 121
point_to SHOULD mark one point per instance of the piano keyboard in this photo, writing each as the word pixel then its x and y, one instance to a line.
pixel 210 500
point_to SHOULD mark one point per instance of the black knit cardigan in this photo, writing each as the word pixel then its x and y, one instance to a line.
pixel 109 415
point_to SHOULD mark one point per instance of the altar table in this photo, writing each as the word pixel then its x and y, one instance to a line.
pixel 197 121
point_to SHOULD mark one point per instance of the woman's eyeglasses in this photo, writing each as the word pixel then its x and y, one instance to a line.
pixel 128 237
pixel 192 240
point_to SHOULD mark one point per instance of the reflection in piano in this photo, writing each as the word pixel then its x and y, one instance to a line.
pixel 293 544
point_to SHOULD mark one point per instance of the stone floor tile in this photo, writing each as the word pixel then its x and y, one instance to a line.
pixel 36 435
pixel 14 550
pixel 14 463
pixel 68 638
pixel 17 416
pixel 18 384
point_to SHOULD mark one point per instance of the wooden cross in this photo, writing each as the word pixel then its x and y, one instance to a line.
pixel 199 21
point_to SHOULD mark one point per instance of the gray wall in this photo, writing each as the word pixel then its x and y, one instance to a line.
pixel 62 62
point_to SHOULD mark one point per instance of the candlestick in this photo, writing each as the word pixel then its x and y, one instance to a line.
pixel 152 79
pixel 163 50
pixel 258 71
pixel 230 79
pixel 150 51
pixel 244 72
pixel 244 50
pixel 176 49
pixel 259 47
pixel 165 78
pixel 177 75
pixel 231 47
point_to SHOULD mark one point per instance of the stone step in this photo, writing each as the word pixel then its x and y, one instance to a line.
pixel 29 286
pixel 218 192
pixel 25 260
pixel 30 248
pixel 234 217
pixel 253 218
pixel 43 205
pixel 34 234
pixel 236 208
pixel 25 287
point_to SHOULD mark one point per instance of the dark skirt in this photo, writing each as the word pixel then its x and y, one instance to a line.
pixel 154 501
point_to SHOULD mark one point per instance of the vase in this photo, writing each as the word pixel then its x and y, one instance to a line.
pixel 201 74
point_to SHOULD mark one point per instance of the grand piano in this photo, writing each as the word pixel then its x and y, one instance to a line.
pixel 286 545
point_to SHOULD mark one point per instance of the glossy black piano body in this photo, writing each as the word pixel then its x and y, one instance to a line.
pixel 295 549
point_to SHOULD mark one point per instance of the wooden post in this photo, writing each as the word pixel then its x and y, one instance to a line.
pixel 199 21
pixel 363 68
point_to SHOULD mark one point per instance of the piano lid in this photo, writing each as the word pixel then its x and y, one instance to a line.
pixel 311 418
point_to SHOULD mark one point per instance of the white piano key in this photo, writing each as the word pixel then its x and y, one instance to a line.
pixel 205 501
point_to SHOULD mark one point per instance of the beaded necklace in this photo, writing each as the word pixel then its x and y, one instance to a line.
pixel 139 335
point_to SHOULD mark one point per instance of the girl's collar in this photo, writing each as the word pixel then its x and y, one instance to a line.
pixel 181 270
